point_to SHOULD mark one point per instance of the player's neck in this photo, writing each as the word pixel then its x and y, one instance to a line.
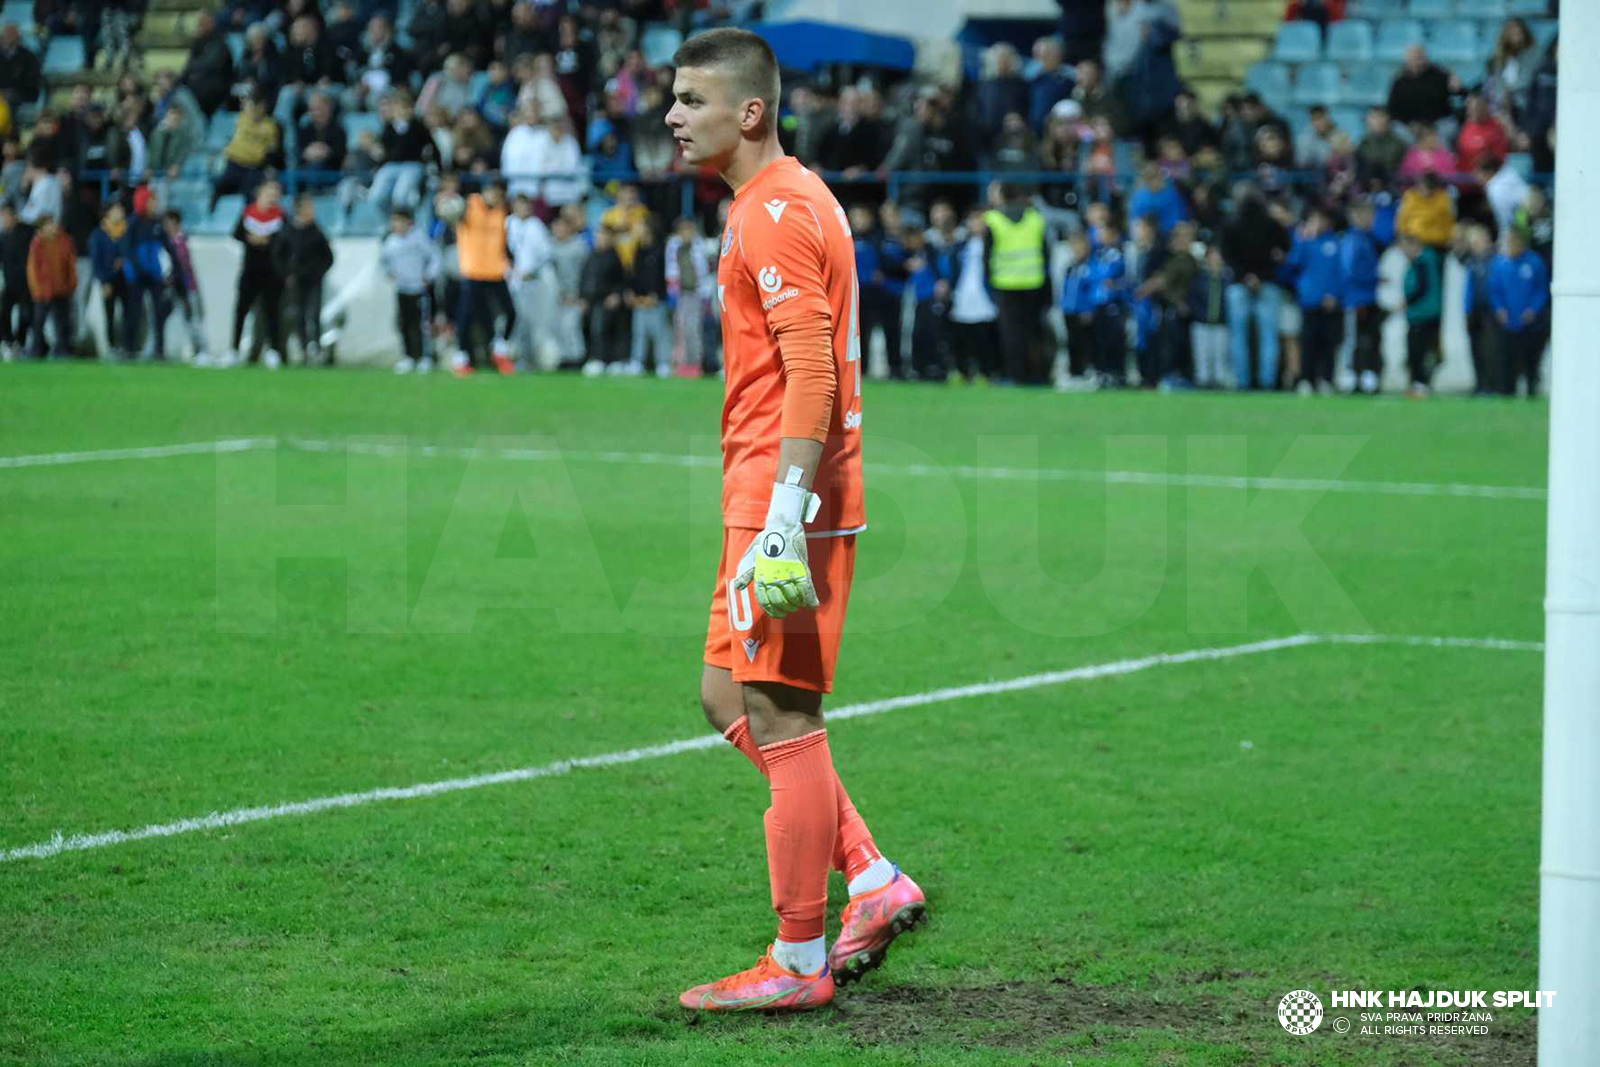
pixel 751 158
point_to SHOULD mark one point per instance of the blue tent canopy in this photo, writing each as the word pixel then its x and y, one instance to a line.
pixel 806 45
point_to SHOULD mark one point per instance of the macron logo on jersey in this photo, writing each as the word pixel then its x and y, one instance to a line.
pixel 775 208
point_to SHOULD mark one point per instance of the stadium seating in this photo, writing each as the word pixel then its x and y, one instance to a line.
pixel 1368 83
pixel 1351 120
pixel 1528 8
pixel 1454 40
pixel 1431 9
pixel 1298 42
pixel 1397 35
pixel 1544 31
pixel 1350 41
pixel 19 12
pixel 659 43
pixel 1318 83
pixel 1481 9
pixel 220 132
pixel 222 218
pixel 357 122
pixel 64 55
pixel 1269 80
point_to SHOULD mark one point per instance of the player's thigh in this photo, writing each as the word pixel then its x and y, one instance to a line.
pixel 721 697
pixel 781 712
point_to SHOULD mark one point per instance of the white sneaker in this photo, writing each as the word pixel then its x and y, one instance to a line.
pixel 405 366
pixel 230 358
pixel 663 370
pixel 203 359
pixel 271 360
pixel 8 353
pixel 500 348
pixel 1305 388
pixel 1369 381
pixel 593 369
pixel 425 364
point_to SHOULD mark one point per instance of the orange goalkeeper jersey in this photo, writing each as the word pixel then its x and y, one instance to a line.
pixel 787 257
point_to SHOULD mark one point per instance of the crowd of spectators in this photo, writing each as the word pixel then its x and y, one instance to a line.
pixel 1178 228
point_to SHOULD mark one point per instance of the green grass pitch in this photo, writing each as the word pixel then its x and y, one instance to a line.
pixel 1129 869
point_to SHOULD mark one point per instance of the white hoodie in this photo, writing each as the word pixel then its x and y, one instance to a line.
pixel 529 242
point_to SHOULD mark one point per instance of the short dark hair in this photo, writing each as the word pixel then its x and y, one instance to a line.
pixel 401 213
pixel 745 55
pixel 173 215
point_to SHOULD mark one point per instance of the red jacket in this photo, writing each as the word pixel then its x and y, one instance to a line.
pixel 52 266
pixel 1479 140
pixel 1295 10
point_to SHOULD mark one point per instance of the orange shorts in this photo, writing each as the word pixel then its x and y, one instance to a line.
pixel 799 649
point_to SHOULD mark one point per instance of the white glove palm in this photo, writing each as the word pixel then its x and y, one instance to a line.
pixel 776 560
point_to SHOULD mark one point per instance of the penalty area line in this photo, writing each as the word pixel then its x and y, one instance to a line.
pixel 217 820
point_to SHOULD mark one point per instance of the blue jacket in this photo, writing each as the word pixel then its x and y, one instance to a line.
pixel 1077 289
pixel 1044 92
pixel 892 261
pixel 868 262
pixel 1477 291
pixel 938 264
pixel 104 252
pixel 146 241
pixel 1360 259
pixel 1107 270
pixel 1318 264
pixel 1167 206
pixel 1201 293
pixel 1385 218
pixel 1518 286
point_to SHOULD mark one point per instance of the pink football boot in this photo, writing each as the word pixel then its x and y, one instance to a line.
pixel 871 922
pixel 768 986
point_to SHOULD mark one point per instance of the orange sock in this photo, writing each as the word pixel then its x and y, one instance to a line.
pixel 801 826
pixel 738 735
pixel 853 849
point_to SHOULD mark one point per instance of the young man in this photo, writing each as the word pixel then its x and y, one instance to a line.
pixel 791 437
pixel 1519 292
pixel 411 261
pixel 485 300
pixel 304 257
pixel 1424 291
pixel 1318 267
pixel 52 279
pixel 1360 250
pixel 259 225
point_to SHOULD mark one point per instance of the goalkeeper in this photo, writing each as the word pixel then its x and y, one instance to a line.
pixel 792 505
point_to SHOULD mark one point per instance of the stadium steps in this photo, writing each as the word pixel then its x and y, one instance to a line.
pixel 1221 40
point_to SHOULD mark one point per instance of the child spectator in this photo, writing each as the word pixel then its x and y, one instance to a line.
pixel 303 257
pixel 600 288
pixel 186 286
pixel 1145 258
pixel 1360 252
pixel 647 294
pixel 16 244
pixel 1318 267
pixel 528 241
pixel 485 300
pixel 931 272
pixel 1477 257
pixel 259 226
pixel 403 148
pixel 52 280
pixel 1173 358
pixel 1109 272
pixel 1519 292
pixel 1077 308
pixel 411 262
pixel 1427 212
pixel 1157 198
pixel 257 144
pixel 689 279
pixel 974 336
pixel 1208 330
pixel 1424 292
pixel 877 258
pixel 108 252
pixel 569 252
pixel 146 274
pixel 621 220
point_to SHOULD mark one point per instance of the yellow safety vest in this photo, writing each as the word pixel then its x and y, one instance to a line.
pixel 1017 259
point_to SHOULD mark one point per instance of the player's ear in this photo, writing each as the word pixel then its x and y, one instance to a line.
pixel 753 116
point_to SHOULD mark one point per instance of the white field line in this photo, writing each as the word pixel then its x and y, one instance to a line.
pixel 238 816
pixel 914 470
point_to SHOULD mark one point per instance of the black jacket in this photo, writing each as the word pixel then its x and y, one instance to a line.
pixel 1423 97
pixel 332 135
pixel 603 274
pixel 413 145
pixel 302 253
pixel 649 276
pixel 1248 241
pixel 209 71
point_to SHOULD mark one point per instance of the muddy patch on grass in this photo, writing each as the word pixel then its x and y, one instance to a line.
pixel 1028 1015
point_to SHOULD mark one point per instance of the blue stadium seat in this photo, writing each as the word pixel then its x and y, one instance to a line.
pixel 236 46
pixel 63 55
pixel 1431 9
pixel 1350 41
pixel 1318 83
pixel 1268 80
pixel 1456 40
pixel 658 43
pixel 1298 42
pixel 1528 8
pixel 476 83
pixel 19 12
pixel 1371 9
pixel 1351 120
pixel 1470 71
pixel 1395 36
pixel 1368 83
pixel 330 214
pixel 355 122
pixel 1544 31
pixel 220 132
pixel 223 218
pixel 365 220
pixel 1481 9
